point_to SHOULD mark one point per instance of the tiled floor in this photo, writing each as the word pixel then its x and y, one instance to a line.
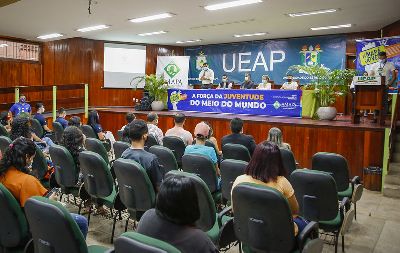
pixel 377 228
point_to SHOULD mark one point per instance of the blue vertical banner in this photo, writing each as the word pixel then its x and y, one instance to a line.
pixel 269 57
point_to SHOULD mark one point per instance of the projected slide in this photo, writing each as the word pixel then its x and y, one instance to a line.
pixel 122 63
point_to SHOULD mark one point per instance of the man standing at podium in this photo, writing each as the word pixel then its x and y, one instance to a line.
pixel 206 77
pixel 385 68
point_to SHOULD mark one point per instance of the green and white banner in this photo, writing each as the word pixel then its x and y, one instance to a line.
pixel 175 70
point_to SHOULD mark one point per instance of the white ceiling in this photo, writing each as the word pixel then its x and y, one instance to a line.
pixel 30 18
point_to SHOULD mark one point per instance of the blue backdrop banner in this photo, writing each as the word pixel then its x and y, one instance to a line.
pixel 271 57
pixel 257 102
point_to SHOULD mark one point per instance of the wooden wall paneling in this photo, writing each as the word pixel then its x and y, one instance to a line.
pixel 392 29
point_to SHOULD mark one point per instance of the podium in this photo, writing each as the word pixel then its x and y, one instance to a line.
pixel 369 95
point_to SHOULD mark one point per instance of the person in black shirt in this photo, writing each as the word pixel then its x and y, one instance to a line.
pixel 39 117
pixel 237 136
pixel 138 133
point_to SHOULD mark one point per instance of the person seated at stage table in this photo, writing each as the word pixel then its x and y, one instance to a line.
pixel 39 117
pixel 289 84
pixel 237 136
pixel 248 83
pixel 152 122
pixel 21 107
pixel 75 121
pixel 265 84
pixel 206 77
pixel 224 84
pixel 275 136
pixel 62 113
pixel 6 120
pixel 179 131
pixel 129 117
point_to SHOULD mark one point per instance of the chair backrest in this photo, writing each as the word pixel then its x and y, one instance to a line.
pixel 37 128
pixel 58 131
pixel 13 224
pixel 151 141
pixel 236 151
pixel 201 166
pixel 230 169
pixel 335 165
pixel 316 194
pixel 206 203
pixel 61 235
pixel 176 145
pixel 3 131
pixel 166 157
pixel 120 134
pixel 262 218
pixel 39 164
pixel 289 163
pixel 135 188
pixel 97 175
pixel 134 242
pixel 95 145
pixel 66 173
pixel 4 143
pixel 119 148
pixel 89 132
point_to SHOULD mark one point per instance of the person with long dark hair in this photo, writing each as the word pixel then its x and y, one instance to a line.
pixel 266 168
pixel 6 120
pixel 73 140
pixel 173 219
pixel 94 122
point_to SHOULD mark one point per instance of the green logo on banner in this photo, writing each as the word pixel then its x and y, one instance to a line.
pixel 172 69
pixel 277 105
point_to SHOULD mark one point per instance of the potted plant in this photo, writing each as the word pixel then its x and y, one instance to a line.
pixel 327 85
pixel 156 87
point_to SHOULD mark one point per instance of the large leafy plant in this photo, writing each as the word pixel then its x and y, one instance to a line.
pixel 327 84
pixel 156 86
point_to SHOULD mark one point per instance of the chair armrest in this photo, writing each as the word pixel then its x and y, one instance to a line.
pixel 343 203
pixel 356 180
pixel 310 231
pixel 223 213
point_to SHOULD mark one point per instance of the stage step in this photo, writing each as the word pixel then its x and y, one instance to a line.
pixel 391 191
pixel 396 157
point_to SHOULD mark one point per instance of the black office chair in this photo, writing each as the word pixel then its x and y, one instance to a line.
pixel 218 226
pixel 120 135
pixel 289 163
pixel 14 231
pixel 40 167
pixel 99 184
pixel 58 132
pixel 135 188
pixel 263 222
pixel 3 131
pixel 61 235
pixel 151 141
pixel 316 194
pixel 130 242
pixel 230 170
pixel 165 157
pixel 4 143
pixel 119 148
pixel 236 151
pixel 89 132
pixel 37 128
pixel 96 146
pixel 177 146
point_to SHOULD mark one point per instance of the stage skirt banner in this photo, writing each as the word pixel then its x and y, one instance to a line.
pixel 175 70
pixel 269 57
pixel 283 103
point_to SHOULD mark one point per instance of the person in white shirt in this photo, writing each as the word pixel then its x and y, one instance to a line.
pixel 265 84
pixel 225 84
pixel 206 77
pixel 179 131
pixel 385 68
pixel 129 117
pixel 152 122
pixel 289 84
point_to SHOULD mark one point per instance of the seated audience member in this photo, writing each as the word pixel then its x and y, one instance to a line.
pixel 248 83
pixel 152 122
pixel 237 136
pixel 73 140
pixel 6 120
pixel 21 107
pixel 275 136
pixel 289 84
pixel 173 219
pixel 179 131
pixel 266 168
pixel 75 121
pixel 94 122
pixel 39 117
pixel 265 83
pixel 225 84
pixel 138 133
pixel 129 117
pixel 201 133
pixel 15 169
pixel 61 117
pixel 212 139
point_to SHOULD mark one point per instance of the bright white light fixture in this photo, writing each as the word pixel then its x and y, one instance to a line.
pixel 231 4
pixel 330 27
pixel 153 17
pixel 93 28
pixel 299 14
pixel 248 35
pixel 3 45
pixel 49 36
pixel 152 33
pixel 187 41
